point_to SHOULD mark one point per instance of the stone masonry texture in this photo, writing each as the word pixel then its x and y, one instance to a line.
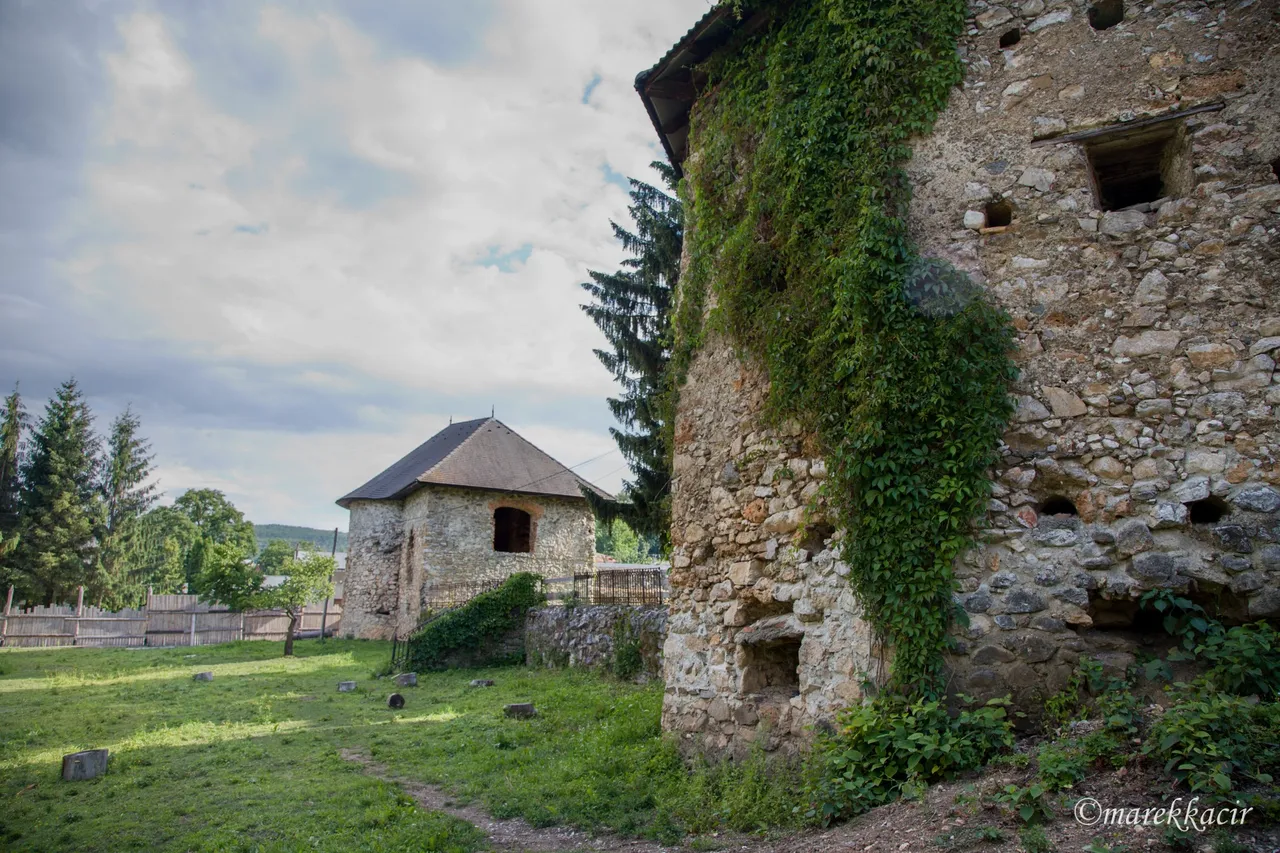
pixel 444 534
pixel 582 636
pixel 1142 454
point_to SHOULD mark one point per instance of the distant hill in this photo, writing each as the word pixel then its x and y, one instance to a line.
pixel 323 539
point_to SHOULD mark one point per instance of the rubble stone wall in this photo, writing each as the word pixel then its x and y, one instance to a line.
pixel 1143 451
pixel 443 534
pixel 583 636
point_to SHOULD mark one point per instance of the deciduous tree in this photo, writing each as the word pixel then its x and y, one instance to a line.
pixel 217 521
pixel 309 580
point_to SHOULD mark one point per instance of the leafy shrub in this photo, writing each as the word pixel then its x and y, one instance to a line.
pixel 628 660
pixel 488 616
pixel 892 745
pixel 1058 768
pixel 1205 740
pixel 1030 804
pixel 1244 660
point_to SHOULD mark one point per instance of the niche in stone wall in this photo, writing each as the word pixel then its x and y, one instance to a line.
pixel 772 667
pixel 1131 167
pixel 997 214
pixel 1010 38
pixel 1210 510
pixel 1058 505
pixel 1275 168
pixel 1105 14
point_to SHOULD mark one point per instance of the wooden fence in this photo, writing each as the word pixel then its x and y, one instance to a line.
pixel 166 620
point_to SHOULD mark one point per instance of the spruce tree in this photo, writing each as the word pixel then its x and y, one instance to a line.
pixel 632 307
pixel 13 422
pixel 126 496
pixel 60 506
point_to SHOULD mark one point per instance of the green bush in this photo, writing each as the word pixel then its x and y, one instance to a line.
pixel 485 618
pixel 893 745
pixel 1059 768
pixel 1030 804
pixel 1207 740
pixel 628 659
pixel 1244 660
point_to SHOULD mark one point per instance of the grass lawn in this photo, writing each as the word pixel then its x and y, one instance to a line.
pixel 249 761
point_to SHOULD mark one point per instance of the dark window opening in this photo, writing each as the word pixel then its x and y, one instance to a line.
pixel 1129 616
pixel 1275 168
pixel 512 530
pixel 1010 38
pixel 772 667
pixel 1058 505
pixel 1105 14
pixel 1142 166
pixel 382 612
pixel 1208 511
pixel 816 536
pixel 998 214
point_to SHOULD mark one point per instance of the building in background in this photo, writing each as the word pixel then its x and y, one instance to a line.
pixel 473 504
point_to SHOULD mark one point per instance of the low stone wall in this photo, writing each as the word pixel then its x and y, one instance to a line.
pixel 583 635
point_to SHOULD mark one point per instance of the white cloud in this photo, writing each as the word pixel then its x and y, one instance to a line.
pixel 237 241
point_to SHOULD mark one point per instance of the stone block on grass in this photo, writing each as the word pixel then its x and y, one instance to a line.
pixel 396 701
pixel 79 766
pixel 520 711
pixel 204 676
pixel 407 679
pixel 346 686
pixel 482 682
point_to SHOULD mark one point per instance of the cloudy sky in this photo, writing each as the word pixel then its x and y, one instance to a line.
pixel 299 236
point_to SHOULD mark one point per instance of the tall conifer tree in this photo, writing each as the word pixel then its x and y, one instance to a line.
pixel 60 507
pixel 633 308
pixel 126 495
pixel 13 422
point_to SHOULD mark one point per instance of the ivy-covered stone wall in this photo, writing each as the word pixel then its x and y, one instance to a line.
pixel 1142 451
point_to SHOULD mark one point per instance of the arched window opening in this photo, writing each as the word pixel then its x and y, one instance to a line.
pixel 1058 505
pixel 1010 38
pixel 512 530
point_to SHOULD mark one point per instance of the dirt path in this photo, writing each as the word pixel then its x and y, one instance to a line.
pixel 506 835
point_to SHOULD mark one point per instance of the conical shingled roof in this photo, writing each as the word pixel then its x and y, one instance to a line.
pixel 480 454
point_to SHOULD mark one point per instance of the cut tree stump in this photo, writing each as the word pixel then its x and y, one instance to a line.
pixel 407 679
pixel 520 710
pixel 84 765
pixel 204 676
pixel 395 700
pixel 346 686
pixel 482 682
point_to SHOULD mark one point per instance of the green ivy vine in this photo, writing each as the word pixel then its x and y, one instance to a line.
pixel 477 625
pixel 796 199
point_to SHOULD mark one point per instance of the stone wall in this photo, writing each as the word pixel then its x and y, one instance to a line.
pixel 1143 452
pixel 371 588
pixel 443 534
pixel 583 635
